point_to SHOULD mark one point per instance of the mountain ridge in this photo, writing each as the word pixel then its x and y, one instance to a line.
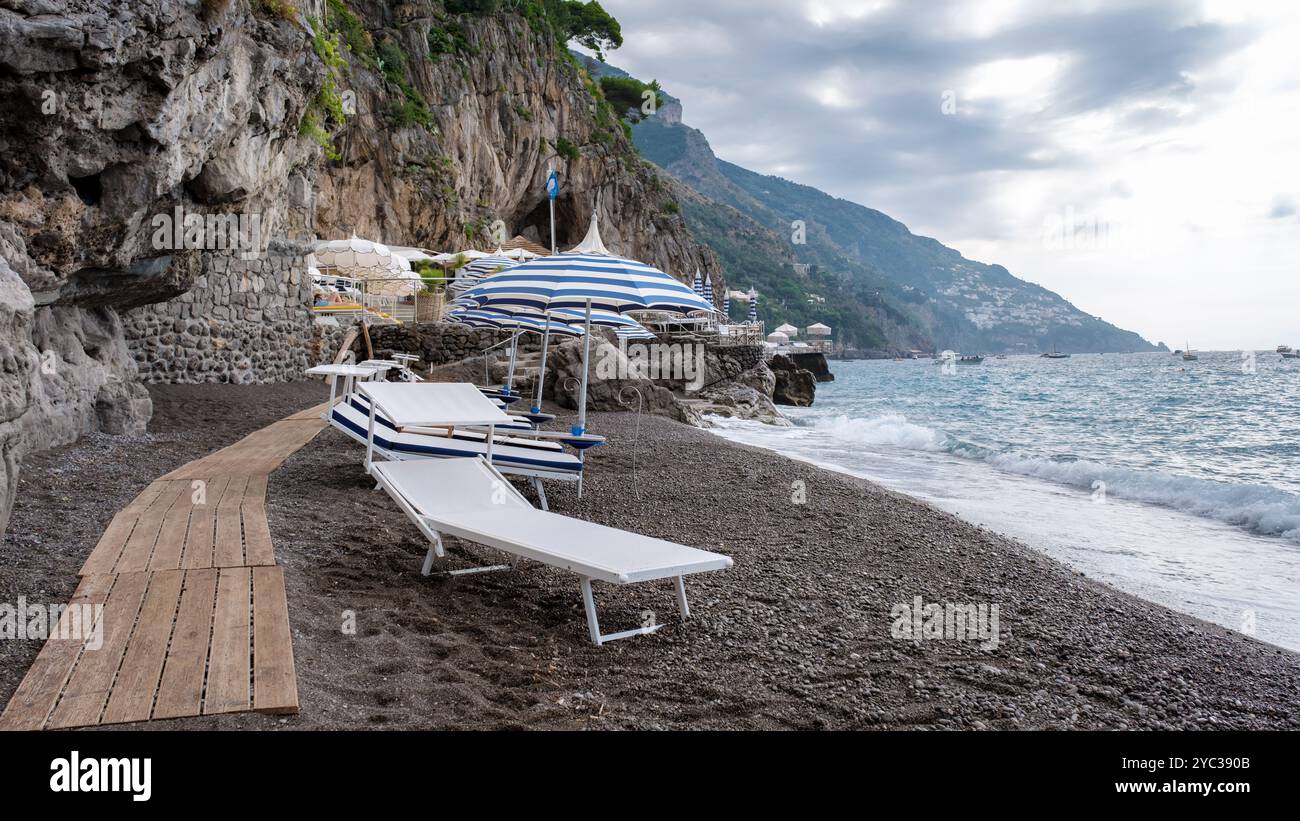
pixel 914 291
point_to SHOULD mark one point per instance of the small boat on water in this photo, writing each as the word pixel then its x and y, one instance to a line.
pixel 1189 355
pixel 1284 349
pixel 971 360
pixel 1291 354
pixel 1055 354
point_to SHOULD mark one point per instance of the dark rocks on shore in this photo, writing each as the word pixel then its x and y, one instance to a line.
pixel 815 362
pixel 794 385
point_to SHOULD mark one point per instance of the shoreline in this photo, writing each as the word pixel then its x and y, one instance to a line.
pixel 796 635
pixel 1081 568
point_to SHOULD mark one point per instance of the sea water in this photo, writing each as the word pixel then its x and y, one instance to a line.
pixel 1176 481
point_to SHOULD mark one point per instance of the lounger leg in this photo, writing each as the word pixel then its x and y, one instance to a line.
pixel 593 625
pixel 589 604
pixel 541 492
pixel 682 607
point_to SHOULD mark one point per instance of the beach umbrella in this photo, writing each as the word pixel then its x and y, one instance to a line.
pixel 708 289
pixel 358 258
pixel 698 285
pixel 607 319
pixel 589 277
pixel 480 269
pixel 787 329
pixel 521 254
pixel 385 271
pixel 726 306
pixel 753 306
pixel 818 329
pixel 629 334
pixel 778 338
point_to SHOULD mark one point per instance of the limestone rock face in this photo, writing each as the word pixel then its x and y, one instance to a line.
pixel 497 120
pixel 116 113
pixel 18 362
pixel 794 385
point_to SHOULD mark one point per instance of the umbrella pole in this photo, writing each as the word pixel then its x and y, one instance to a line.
pixel 541 372
pixel 582 395
pixel 510 373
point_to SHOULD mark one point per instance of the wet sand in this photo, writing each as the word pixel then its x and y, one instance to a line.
pixel 796 635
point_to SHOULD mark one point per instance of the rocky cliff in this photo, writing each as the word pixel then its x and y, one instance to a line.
pixel 154 154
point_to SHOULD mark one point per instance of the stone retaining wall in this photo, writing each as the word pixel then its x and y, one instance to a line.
pixel 440 343
pixel 243 321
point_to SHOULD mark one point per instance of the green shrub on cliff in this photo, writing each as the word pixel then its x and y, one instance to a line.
pixel 409 109
pixel 566 149
pixel 478 7
pixel 339 18
pixel 628 93
pixel 280 9
pixel 570 20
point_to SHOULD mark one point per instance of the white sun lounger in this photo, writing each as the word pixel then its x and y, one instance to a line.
pixel 469 499
pixel 533 458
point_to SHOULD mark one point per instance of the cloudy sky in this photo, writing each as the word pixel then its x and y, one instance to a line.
pixel 1167 133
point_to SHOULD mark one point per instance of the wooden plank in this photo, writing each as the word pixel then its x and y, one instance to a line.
pixel 180 692
pixel 30 706
pixel 257 535
pixel 109 548
pixel 139 547
pixel 256 490
pixel 198 542
pixel 228 549
pixel 137 680
pixel 171 537
pixel 228 661
pixel 146 497
pixel 87 689
pixel 275 686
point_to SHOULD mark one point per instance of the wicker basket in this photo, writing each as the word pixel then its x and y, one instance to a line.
pixel 428 306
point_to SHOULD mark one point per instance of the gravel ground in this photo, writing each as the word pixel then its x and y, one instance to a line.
pixel 796 635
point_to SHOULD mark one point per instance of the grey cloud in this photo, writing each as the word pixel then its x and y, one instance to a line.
pixel 891 148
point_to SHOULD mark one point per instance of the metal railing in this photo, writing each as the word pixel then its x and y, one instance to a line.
pixel 399 299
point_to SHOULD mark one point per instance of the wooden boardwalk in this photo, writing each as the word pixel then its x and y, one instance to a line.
pixel 186 604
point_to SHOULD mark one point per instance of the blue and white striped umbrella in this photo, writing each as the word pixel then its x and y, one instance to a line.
pixel 726 306
pixel 480 269
pixel 574 280
pixel 630 334
pixel 523 322
pixel 607 319
pixel 588 277
pixel 708 289
pixel 753 306
pixel 698 285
